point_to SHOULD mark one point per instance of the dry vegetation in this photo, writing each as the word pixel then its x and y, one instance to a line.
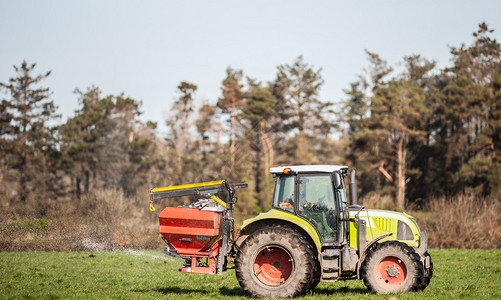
pixel 464 221
pixel 107 220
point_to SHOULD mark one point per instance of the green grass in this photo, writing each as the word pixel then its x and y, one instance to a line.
pixel 150 274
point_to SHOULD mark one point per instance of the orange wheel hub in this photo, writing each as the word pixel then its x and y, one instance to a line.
pixel 273 265
pixel 391 271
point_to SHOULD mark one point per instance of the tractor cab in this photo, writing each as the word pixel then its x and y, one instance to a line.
pixel 315 194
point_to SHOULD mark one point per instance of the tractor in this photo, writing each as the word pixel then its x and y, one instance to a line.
pixel 311 234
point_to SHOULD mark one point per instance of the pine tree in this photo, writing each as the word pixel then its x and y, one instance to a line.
pixel 398 108
pixel 303 117
pixel 382 124
pixel 205 124
pixel 259 112
pixel 231 103
pixel 131 150
pixel 422 150
pixel 474 131
pixel 104 143
pixel 85 138
pixel 180 136
pixel 369 150
pixel 29 144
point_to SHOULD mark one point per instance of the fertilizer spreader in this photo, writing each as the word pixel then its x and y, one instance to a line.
pixel 202 232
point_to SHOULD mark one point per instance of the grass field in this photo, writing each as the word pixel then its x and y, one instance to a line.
pixel 150 274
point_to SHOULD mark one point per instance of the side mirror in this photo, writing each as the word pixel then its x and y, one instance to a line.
pixel 337 181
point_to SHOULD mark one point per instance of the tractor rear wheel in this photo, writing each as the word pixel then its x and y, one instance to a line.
pixel 275 262
pixel 428 273
pixel 316 276
pixel 392 267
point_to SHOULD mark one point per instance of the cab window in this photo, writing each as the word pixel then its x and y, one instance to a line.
pixel 284 193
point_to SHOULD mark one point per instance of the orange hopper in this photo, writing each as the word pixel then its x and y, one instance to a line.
pixel 189 229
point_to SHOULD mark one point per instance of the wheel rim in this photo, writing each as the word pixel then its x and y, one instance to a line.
pixel 273 265
pixel 391 272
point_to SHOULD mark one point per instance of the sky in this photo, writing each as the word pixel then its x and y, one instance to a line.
pixel 144 49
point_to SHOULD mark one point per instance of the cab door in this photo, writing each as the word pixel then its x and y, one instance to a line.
pixel 316 203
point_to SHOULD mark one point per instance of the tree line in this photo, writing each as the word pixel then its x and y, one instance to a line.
pixel 411 133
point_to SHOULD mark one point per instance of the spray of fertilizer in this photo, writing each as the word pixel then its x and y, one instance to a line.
pixel 102 245
pixel 146 254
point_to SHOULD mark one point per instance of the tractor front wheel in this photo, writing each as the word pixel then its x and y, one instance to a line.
pixel 392 267
pixel 275 262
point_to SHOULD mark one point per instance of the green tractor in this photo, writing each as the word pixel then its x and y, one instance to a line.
pixel 314 235
pixel 311 234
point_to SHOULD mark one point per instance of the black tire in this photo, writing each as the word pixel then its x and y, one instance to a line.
pixel 314 283
pixel 392 267
pixel 316 276
pixel 285 254
pixel 428 273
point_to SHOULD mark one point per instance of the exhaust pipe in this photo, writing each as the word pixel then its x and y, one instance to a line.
pixel 353 189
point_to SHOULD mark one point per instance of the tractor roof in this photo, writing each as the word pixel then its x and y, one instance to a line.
pixel 308 169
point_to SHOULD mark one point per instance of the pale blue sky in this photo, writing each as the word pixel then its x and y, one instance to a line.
pixel 145 48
